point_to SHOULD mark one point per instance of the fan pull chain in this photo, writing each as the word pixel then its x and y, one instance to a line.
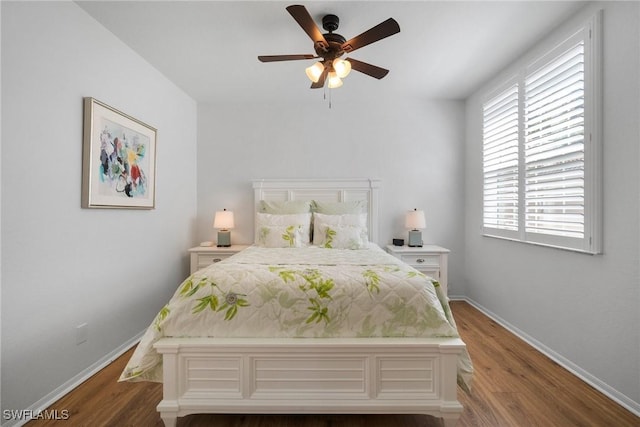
pixel 324 95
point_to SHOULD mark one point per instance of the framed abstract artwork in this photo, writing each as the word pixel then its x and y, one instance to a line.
pixel 118 159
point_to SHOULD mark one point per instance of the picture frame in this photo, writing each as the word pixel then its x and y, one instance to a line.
pixel 118 159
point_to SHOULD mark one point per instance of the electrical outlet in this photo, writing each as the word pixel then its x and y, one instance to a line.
pixel 82 333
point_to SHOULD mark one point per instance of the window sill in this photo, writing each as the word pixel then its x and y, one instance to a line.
pixel 545 245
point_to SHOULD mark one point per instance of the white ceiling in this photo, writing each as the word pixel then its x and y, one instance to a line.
pixel 446 49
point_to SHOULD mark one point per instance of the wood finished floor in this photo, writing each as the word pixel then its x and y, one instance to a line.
pixel 514 385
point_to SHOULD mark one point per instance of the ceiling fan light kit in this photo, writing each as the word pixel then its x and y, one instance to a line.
pixel 342 67
pixel 330 47
pixel 315 71
pixel 334 80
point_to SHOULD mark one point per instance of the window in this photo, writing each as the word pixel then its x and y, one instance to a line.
pixel 500 161
pixel 541 152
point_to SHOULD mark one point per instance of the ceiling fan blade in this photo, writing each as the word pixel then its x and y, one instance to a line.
pixel 320 83
pixel 379 32
pixel 368 69
pixel 305 20
pixel 274 58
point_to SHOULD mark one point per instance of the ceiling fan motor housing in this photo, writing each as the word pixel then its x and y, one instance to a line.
pixel 330 23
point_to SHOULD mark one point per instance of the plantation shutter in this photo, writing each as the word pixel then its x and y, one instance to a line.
pixel 500 161
pixel 554 147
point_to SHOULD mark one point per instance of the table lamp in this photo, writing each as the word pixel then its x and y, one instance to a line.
pixel 223 221
pixel 415 222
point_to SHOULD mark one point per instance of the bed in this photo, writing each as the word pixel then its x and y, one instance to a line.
pixel 312 318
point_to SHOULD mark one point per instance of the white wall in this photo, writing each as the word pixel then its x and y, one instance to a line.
pixel 583 309
pixel 415 147
pixel 63 265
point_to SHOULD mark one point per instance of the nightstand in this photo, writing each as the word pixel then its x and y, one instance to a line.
pixel 204 256
pixel 429 259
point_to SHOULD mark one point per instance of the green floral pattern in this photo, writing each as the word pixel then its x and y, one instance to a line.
pixel 315 287
pixel 259 294
pixel 328 237
pixel 281 236
pixel 289 235
pixel 230 300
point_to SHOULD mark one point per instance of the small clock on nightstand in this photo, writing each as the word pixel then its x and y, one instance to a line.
pixel 428 259
pixel 204 256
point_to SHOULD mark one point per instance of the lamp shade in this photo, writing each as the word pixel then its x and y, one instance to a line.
pixel 315 71
pixel 223 220
pixel 415 220
pixel 334 80
pixel 342 67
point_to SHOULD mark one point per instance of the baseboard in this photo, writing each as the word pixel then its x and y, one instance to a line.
pixel 74 382
pixel 585 376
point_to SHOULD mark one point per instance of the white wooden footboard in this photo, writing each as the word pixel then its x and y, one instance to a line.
pixel 313 376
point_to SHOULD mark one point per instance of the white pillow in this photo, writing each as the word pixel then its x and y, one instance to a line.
pixel 342 237
pixel 281 236
pixel 321 220
pixel 271 220
pixel 285 207
pixel 338 208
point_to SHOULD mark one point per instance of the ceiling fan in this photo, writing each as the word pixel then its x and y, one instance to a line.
pixel 331 46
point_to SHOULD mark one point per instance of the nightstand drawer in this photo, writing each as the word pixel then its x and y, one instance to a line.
pixel 208 259
pixel 204 256
pixel 420 260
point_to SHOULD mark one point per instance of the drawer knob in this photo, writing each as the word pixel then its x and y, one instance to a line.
pixel 217 259
pixel 420 260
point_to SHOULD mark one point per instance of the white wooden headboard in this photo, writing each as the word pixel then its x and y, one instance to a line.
pixel 326 190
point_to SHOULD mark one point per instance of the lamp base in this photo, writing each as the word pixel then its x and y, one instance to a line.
pixel 224 239
pixel 415 239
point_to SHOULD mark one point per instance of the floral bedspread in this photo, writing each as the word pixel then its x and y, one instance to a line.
pixel 299 292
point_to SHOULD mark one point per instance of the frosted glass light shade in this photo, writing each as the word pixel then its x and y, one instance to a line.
pixel 315 71
pixel 415 220
pixel 223 220
pixel 334 80
pixel 342 67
